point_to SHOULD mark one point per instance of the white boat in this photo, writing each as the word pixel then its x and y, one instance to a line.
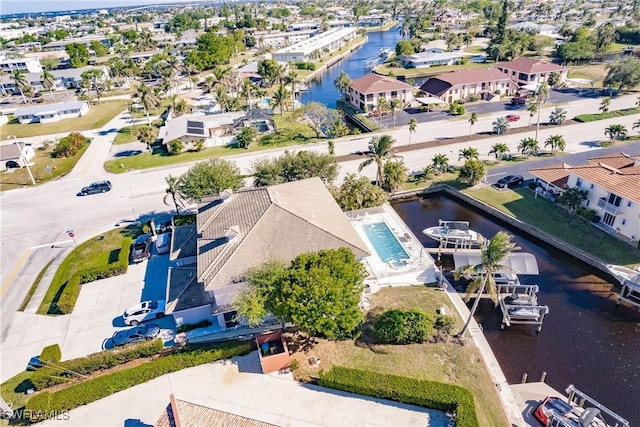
pixel 453 232
pixel 385 52
pixel 630 281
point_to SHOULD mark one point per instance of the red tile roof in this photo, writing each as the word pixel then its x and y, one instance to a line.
pixel 374 83
pixel 530 66
pixel 440 83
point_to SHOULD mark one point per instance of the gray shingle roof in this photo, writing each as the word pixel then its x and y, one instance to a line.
pixel 50 108
pixel 184 242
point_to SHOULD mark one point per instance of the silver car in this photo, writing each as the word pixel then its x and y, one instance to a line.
pixel 146 310
pixel 135 334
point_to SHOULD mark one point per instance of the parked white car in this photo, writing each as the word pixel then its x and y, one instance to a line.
pixel 146 310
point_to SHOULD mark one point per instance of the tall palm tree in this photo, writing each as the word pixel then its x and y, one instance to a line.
pixel 499 149
pixel 492 254
pixel 382 105
pixel 440 163
pixel 532 109
pixel 616 132
pixel 473 119
pixel 48 82
pixel 380 151
pixel 605 104
pixel 29 91
pixel 280 98
pixel 248 89
pixel 469 153
pixel 529 146
pixel 500 125
pixel 413 124
pixel 396 104
pixel 342 83
pixel 558 116
pixel 636 126
pixel 147 99
pixel 173 192
pixel 292 76
pixel 556 142
pixel 21 81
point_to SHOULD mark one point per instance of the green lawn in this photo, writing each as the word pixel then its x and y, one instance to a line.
pixel 94 253
pixel 597 73
pixel 414 183
pixel 127 134
pixel 417 72
pixel 444 361
pixel 16 178
pixel 98 116
pixel 551 218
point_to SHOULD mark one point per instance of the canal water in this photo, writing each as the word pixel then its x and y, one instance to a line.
pixel 586 340
pixel 322 90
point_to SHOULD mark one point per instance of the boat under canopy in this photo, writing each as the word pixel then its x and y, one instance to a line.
pixel 518 262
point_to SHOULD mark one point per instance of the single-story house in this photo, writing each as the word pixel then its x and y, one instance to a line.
pixel 485 83
pixel 428 59
pixel 213 129
pixel 612 182
pixel 365 91
pixel 526 71
pixel 259 119
pixel 70 78
pixel 238 231
pixel 435 46
pixel 10 156
pixel 534 28
pixel 52 112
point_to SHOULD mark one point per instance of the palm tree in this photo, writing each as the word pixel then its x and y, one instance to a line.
pixel 396 104
pixel 48 82
pixel 473 119
pixel 173 192
pixel 147 135
pixel 413 124
pixel 147 99
pixel 556 142
pixel 20 81
pixel 342 83
pixel 499 149
pixel 291 78
pixel 616 132
pixel 280 99
pixel 468 153
pixel 248 88
pixel 532 109
pixel 529 146
pixel 440 163
pixel 605 104
pixel 380 151
pixel 500 125
pixel 382 105
pixel 181 107
pixel 558 116
pixel 492 254
pixel 29 91
pixel 636 126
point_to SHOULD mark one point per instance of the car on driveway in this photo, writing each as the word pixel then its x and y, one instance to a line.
pixel 146 310
pixel 141 248
pixel 512 117
pixel 96 187
pixel 509 181
pixel 518 100
pixel 141 332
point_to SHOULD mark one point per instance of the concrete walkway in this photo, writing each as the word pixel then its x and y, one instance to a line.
pixel 237 386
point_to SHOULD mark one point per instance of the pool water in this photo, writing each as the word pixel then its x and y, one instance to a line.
pixel 384 242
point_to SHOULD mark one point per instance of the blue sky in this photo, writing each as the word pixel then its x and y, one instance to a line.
pixel 8 7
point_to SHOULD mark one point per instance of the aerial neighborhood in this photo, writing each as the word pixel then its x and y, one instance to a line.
pixel 320 213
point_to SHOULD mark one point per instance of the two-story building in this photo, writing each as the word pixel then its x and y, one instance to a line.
pixel 526 71
pixel 612 183
pixel 315 47
pixel 26 65
pixel 485 83
pixel 365 92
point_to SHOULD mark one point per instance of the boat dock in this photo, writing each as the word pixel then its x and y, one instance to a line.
pixel 519 305
pixel 630 281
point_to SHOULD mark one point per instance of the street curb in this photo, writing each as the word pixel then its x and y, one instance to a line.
pixel 43 286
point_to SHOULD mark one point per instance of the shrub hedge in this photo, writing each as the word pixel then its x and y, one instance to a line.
pixel 403 327
pixel 51 353
pixel 69 291
pixel 100 387
pixel 190 326
pixel 70 369
pixel 585 118
pixel 429 394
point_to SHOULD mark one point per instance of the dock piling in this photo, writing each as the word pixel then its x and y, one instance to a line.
pixel 524 378
pixel 543 377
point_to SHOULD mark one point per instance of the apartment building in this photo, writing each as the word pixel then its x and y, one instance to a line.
pixel 317 46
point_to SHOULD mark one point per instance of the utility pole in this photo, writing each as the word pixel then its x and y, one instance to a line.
pixel 23 158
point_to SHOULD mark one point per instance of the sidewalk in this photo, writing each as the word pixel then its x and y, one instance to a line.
pixel 45 282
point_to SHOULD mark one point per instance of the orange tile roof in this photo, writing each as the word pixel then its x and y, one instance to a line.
pixel 553 173
pixel 373 83
pixel 530 66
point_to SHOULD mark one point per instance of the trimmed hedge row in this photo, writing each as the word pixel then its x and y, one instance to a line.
pixel 69 291
pixel 100 387
pixel 429 394
pixel 51 353
pixel 67 370
pixel 585 118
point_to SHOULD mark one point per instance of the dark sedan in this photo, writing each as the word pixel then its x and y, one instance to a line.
pixel 509 181
pixel 141 332
pixel 141 248
pixel 96 187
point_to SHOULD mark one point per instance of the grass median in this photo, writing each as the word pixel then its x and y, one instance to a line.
pixel 539 212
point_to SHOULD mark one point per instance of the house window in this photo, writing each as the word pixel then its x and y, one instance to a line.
pixel 579 183
pixel 394 94
pixel 608 219
pixel 591 187
pixel 614 199
pixel 629 204
pixel 229 319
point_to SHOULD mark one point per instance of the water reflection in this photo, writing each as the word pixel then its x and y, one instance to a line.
pixel 586 340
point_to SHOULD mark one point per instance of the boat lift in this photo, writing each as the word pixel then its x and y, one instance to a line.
pixel 592 414
pixel 371 63
pixel 519 305
pixel 630 281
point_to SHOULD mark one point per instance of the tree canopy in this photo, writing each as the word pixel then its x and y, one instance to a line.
pixel 472 172
pixel 358 193
pixel 78 55
pixel 624 74
pixel 210 177
pixel 293 167
pixel 213 49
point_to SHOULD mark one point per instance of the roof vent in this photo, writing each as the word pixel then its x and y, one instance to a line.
pixel 226 195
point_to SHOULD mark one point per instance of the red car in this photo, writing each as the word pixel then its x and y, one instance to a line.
pixel 512 117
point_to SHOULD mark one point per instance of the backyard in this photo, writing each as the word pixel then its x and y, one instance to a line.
pixel 98 116
pixel 447 362
pixel 555 220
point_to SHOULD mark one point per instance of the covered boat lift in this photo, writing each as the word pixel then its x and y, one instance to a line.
pixel 518 262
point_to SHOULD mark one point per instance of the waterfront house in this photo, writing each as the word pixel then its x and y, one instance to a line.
pixel 365 92
pixel 280 39
pixel 212 129
pixel 612 183
pixel 485 83
pixel 429 58
pixel 52 112
pixel 11 157
pixel 237 231
pixel 526 71
pixel 315 47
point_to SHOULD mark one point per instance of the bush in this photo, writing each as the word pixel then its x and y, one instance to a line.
pixel 103 386
pixel 190 326
pixel 69 145
pixel 473 97
pixel 305 66
pixel 68 295
pixel 51 353
pixel 428 394
pixel 585 118
pixel 456 109
pixel 403 327
pixel 176 147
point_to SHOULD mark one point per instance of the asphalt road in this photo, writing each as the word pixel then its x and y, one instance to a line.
pixel 34 220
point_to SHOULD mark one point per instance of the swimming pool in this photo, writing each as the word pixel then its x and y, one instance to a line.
pixel 384 242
